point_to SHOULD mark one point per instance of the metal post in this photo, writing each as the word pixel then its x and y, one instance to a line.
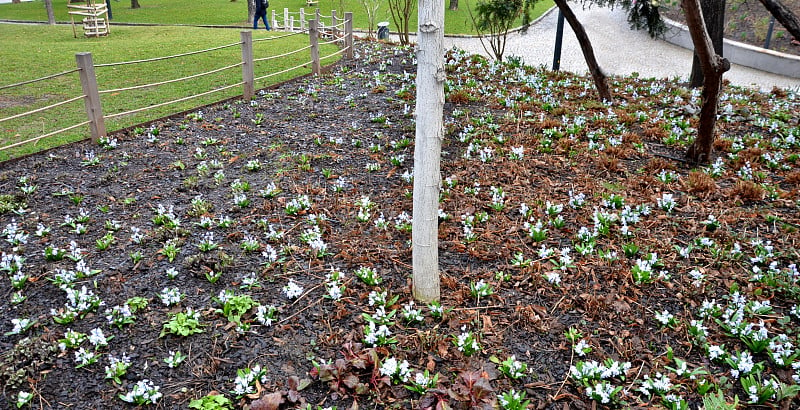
pixel 769 32
pixel 348 34
pixel 559 38
pixel 313 34
pixel 248 76
pixel 91 99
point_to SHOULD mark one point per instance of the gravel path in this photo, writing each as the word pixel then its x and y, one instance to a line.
pixel 619 49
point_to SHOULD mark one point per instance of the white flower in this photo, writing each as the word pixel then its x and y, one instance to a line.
pixel 292 290
pixel 715 352
pixel 97 338
pixel 581 347
pixel 389 367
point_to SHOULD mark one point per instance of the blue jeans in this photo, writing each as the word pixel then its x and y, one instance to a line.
pixel 262 16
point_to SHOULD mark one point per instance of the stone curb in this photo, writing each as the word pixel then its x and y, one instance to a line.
pixel 740 53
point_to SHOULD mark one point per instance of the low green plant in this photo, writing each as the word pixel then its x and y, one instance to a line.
pixel 182 324
pixel 211 402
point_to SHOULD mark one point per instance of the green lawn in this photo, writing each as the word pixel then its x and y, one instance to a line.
pixel 33 51
pixel 234 13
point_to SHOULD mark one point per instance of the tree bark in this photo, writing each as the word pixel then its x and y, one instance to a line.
pixel 51 16
pixel 427 151
pixel 135 4
pixel 713 67
pixel 453 5
pixel 788 20
pixel 600 79
pixel 714 17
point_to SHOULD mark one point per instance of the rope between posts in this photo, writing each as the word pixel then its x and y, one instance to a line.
pixel 333 54
pixel 335 40
pixel 255 60
pixel 148 60
pixel 40 79
pixel 277 37
pixel 16 144
pixel 173 101
pixel 280 72
pixel 42 108
pixel 136 87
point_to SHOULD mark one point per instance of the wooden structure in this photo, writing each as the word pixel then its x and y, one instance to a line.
pixel 93 16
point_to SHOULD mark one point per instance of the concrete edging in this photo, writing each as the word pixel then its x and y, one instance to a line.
pixel 740 53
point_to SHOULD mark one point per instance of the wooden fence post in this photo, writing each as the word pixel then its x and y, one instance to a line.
pixel 348 34
pixel 313 34
pixel 91 99
pixel 302 19
pixel 247 65
pixel 334 25
pixel 286 18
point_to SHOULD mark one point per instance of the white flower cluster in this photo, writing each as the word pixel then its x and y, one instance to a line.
pixel 143 392
pixel 292 290
pixel 398 372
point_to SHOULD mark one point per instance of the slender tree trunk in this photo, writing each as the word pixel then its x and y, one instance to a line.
pixel 51 17
pixel 453 5
pixel 427 150
pixel 785 16
pixel 600 79
pixel 713 67
pixel 714 17
pixel 251 11
pixel 135 4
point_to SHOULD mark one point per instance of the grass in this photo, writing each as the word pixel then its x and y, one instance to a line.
pixel 56 46
pixel 233 13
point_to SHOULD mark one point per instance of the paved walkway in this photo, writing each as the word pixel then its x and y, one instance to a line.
pixel 619 49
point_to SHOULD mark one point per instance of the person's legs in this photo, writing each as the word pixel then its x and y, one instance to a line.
pixel 255 22
pixel 266 22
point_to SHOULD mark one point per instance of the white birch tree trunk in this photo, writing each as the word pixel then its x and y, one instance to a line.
pixel 427 150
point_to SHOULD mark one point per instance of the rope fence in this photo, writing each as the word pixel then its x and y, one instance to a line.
pixel 74 70
pixel 341 33
pixel 139 87
pixel 150 60
pixel 299 50
pixel 31 112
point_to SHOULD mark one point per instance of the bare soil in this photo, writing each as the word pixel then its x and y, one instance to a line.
pixel 347 135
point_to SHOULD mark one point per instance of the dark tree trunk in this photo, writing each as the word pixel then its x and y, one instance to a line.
pixel 251 10
pixel 785 16
pixel 51 17
pixel 135 4
pixel 453 5
pixel 600 79
pixel 714 17
pixel 713 66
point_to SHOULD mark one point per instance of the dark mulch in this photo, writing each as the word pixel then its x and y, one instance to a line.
pixel 348 135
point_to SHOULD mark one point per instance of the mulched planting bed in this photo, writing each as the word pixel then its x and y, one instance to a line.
pixel 258 253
